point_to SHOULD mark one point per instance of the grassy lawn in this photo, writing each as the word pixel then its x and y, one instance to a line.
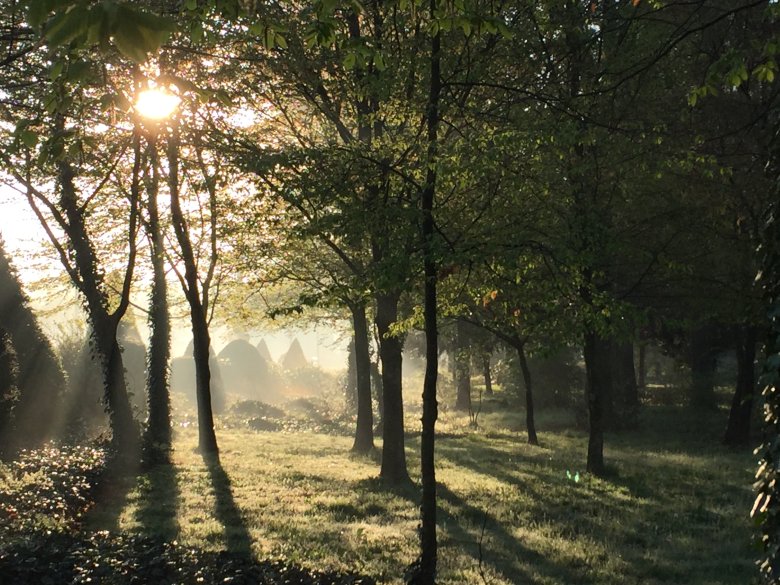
pixel 674 510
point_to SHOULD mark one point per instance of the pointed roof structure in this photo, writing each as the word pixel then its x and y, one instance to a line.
pixel 294 358
pixel 262 347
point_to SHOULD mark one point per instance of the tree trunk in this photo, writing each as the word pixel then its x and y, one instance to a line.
pixel 702 362
pixel 424 572
pixel 350 385
pixel 486 374
pixel 597 380
pixel 530 423
pixel 393 468
pixel 158 431
pixel 207 439
pixel 738 427
pixel 364 430
pixel 623 387
pixel 126 438
pixel 641 375
pixel 379 395
pixel 462 368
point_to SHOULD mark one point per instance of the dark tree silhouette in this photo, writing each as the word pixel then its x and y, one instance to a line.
pixel 39 379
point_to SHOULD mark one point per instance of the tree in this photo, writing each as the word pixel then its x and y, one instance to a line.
pixel 158 431
pixel 51 144
pixel 8 391
pixel 38 378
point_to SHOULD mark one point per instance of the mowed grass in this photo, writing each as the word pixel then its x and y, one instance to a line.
pixel 674 509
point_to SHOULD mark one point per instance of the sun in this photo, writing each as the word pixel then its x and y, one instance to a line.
pixel 156 104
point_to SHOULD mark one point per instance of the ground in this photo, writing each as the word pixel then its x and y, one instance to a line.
pixel 674 509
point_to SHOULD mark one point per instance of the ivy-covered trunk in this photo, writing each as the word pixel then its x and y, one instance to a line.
pixel 126 438
pixel 393 469
pixel 738 426
pixel 364 429
pixel 158 430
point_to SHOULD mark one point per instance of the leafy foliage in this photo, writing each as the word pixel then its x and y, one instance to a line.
pixel 48 489
pixel 115 559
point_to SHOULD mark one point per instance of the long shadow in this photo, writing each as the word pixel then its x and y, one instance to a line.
pixel 503 551
pixel 158 508
pixel 237 538
pixel 110 496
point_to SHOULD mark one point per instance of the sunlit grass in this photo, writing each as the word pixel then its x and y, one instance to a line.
pixel 673 511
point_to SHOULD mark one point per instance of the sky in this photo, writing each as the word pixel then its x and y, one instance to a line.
pixel 19 227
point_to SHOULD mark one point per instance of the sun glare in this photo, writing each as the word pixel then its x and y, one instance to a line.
pixel 156 104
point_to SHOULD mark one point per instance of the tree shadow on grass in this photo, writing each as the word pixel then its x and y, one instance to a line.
pixel 237 538
pixel 495 546
pixel 158 507
pixel 110 496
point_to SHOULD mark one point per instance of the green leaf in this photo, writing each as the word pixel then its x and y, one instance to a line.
pixel 78 71
pixel 56 70
pixel 349 61
pixel 379 61
pixel 131 43
pixel 196 32
pixel 66 26
pixel 38 10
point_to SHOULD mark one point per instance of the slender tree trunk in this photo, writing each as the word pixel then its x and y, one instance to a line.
pixel 486 374
pixel 596 378
pixel 207 439
pixel 425 569
pixel 158 431
pixel 738 427
pixel 393 468
pixel 641 375
pixel 364 430
pixel 462 368
pixel 529 396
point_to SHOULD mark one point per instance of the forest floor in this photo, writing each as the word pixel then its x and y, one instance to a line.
pixel 674 509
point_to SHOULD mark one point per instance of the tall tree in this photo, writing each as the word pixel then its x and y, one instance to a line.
pixel 39 378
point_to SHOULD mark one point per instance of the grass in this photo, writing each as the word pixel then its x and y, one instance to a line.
pixel 673 510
